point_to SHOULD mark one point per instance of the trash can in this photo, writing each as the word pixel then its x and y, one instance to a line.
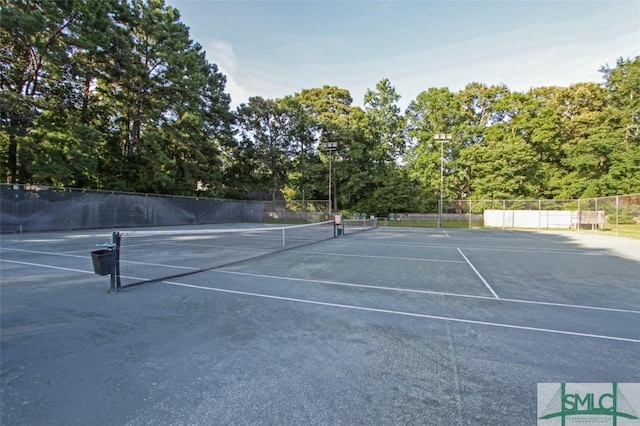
pixel 103 261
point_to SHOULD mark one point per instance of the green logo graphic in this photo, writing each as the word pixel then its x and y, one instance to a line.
pixel 586 403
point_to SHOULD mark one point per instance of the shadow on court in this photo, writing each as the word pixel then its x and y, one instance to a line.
pixel 390 326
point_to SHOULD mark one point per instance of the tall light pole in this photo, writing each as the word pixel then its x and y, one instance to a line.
pixel 331 147
pixel 441 137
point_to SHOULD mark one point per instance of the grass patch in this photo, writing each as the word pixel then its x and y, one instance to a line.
pixel 630 231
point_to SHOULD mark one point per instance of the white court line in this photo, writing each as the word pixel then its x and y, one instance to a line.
pixel 336 283
pixel 376 257
pixel 445 233
pixel 510 249
pixel 577 252
pixel 568 305
pixel 480 276
pixel 503 248
pixel 409 314
pixel 439 293
pixel 46 266
pixel 44 252
pixel 432 292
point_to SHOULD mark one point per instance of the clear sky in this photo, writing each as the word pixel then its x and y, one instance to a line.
pixel 274 48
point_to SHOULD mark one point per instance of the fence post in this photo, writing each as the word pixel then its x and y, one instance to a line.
pixel 539 214
pixel 114 210
pixel 504 212
pixel 617 211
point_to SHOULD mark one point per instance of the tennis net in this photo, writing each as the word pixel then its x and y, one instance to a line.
pixel 146 256
pixel 358 225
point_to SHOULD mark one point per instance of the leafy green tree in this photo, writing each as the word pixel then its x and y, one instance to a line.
pixel 385 129
pixel 539 127
pixel 329 112
pixel 622 84
pixel 264 127
pixel 33 40
pixel 165 109
pixel 385 122
pixel 589 154
pixel 302 131
pixel 358 171
pixel 108 94
pixel 67 146
pixel 395 196
pixel 479 109
pixel 114 94
pixel 590 128
pixel 480 106
pixel 433 111
pixel 504 165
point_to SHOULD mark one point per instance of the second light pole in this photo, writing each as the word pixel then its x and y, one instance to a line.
pixel 331 147
pixel 441 137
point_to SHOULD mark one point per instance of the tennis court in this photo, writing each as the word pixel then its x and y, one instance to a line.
pixel 388 326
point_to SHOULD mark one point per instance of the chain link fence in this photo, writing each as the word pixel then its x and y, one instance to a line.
pixel 30 208
pixel 296 211
pixel 616 215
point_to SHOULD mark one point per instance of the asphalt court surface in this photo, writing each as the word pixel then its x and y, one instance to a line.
pixel 389 326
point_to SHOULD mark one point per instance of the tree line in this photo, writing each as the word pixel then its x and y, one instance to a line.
pixel 114 94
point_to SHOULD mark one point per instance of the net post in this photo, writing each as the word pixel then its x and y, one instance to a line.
pixel 338 225
pixel 115 275
pixel 283 240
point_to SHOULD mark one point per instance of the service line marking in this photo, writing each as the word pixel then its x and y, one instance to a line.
pixel 343 284
pixel 429 292
pixel 417 259
pixel 408 314
pixel 46 266
pixel 49 253
pixel 479 275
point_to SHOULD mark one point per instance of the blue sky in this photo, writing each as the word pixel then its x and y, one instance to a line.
pixel 274 48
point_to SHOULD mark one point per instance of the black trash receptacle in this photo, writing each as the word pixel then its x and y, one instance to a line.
pixel 103 261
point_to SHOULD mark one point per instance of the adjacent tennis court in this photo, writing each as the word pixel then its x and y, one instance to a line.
pixel 388 326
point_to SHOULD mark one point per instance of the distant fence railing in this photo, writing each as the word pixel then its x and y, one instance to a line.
pixel 296 211
pixel 618 215
pixel 27 208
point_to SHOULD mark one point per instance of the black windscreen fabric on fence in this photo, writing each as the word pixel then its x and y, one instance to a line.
pixel 28 208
